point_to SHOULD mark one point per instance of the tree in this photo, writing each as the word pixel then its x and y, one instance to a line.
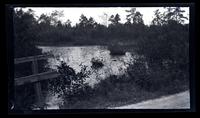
pixel 131 14
pixel 83 21
pixel 51 28
pixel 68 23
pixel 174 14
pixel 134 16
pixel 55 15
pixel 25 30
pixel 178 15
pixel 138 18
pixel 128 22
pixel 51 19
pixel 91 23
pixel 59 24
pixel 87 23
pixel 158 20
pixel 44 19
pixel 114 19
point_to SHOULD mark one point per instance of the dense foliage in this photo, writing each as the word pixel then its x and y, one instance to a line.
pixel 69 85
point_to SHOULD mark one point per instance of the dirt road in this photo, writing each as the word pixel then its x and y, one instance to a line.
pixel 176 101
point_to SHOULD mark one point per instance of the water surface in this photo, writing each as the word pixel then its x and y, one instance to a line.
pixel 77 57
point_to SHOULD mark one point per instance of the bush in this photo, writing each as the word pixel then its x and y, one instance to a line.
pixel 113 88
pixel 70 85
pixel 138 73
pixel 96 63
pixel 116 50
pixel 156 77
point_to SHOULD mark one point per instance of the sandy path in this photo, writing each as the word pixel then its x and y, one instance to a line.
pixel 176 101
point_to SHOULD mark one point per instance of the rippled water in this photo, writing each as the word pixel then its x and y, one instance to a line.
pixel 76 57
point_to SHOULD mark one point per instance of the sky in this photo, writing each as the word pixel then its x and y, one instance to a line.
pixel 74 13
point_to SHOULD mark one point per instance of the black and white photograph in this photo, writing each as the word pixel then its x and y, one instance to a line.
pixel 101 58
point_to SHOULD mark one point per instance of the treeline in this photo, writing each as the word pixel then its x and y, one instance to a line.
pixel 49 30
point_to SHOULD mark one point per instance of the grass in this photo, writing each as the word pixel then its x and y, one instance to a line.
pixel 116 98
pixel 117 91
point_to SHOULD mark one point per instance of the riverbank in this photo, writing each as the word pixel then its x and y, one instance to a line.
pixel 123 92
pixel 94 42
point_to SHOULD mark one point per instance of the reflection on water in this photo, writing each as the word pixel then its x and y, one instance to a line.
pixel 76 57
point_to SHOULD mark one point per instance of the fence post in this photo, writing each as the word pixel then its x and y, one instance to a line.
pixel 37 85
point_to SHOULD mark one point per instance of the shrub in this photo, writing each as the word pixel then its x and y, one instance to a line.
pixel 138 72
pixel 96 63
pixel 70 85
pixel 146 78
pixel 116 50
pixel 156 77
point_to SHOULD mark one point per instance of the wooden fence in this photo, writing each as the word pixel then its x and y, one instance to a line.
pixel 35 77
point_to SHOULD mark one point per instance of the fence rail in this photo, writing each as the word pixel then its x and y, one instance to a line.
pixel 35 77
pixel 31 58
